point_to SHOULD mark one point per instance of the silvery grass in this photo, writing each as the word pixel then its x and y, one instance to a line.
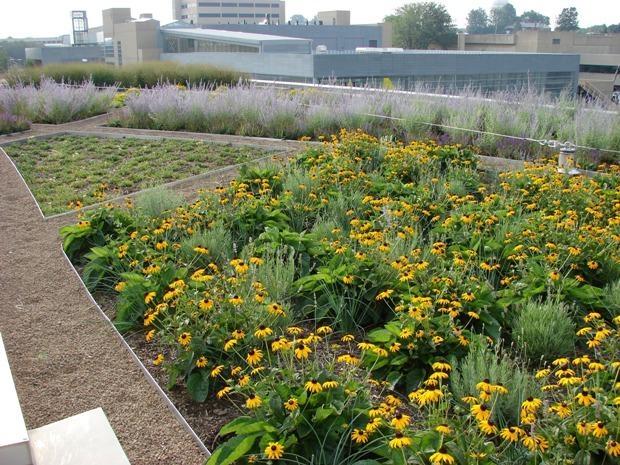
pixel 55 103
pixel 272 112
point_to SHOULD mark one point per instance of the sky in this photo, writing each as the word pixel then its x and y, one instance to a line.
pixel 38 18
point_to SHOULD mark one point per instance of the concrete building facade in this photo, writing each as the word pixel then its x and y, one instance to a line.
pixel 334 18
pixel 230 12
pixel 599 53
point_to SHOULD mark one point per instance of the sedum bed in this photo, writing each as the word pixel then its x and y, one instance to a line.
pixel 373 303
pixel 66 172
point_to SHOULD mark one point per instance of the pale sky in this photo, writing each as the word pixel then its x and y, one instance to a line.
pixel 22 18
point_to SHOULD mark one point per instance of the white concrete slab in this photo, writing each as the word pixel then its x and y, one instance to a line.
pixel 14 449
pixel 84 439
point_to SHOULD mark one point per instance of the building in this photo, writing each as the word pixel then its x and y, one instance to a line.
pixel 599 53
pixel 288 59
pixel 334 18
pixel 64 54
pixel 333 37
pixel 208 13
pixel 128 40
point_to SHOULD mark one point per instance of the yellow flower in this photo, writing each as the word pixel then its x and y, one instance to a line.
pixel 441 457
pixel 150 335
pixel 531 404
pixel 185 339
pixel 236 300
pixel 217 371
pixel 229 344
pixel 201 362
pixel 511 433
pixel 275 309
pixel 254 356
pixel 223 392
pixel 359 436
pixel 201 250
pixel 373 424
pixel 149 297
pixel 583 428
pixel 441 366
pixel 205 304
pixel 302 351
pixel 399 441
pixel 561 409
pixel 480 411
pixel 534 443
pixel 468 296
pixel 323 330
pixel 263 332
pixel 487 426
pixel 598 429
pixel 291 404
pixel 158 360
pixel 348 279
pixel 613 448
pixel 330 384
pixel 274 451
pixel 443 429
pixel 348 338
pixel 400 421
pixel 313 386
pixel 253 402
pixel 585 398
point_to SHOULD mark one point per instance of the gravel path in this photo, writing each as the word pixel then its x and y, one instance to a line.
pixel 65 358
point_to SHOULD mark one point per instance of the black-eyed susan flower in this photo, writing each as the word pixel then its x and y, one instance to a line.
pixel 158 360
pixel 313 386
pixel 399 441
pixel 561 409
pixel 480 412
pixel 583 428
pixel 359 436
pixel 150 335
pixel 330 384
pixel 487 427
pixel 202 362
pixel 400 421
pixel 274 451
pixel 302 351
pixel 253 402
pixel 263 331
pixel 235 300
pixel 291 405
pixel 216 371
pixel 254 356
pixel 531 404
pixel 373 424
pixel 585 397
pixel 441 457
pixel 598 429
pixel 613 448
pixel 443 429
pixel 149 297
pixel 184 339
pixel 511 433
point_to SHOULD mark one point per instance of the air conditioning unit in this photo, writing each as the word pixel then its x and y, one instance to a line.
pixel 321 49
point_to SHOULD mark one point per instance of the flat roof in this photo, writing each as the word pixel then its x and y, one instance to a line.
pixel 242 38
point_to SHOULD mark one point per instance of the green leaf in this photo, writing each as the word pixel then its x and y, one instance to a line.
pixel 198 386
pixel 232 450
pixel 380 335
pixel 323 412
pixel 246 425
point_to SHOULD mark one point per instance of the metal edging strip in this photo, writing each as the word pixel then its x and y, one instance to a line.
pixel 138 362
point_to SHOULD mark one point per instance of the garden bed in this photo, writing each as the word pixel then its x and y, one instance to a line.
pixel 66 172
pixel 374 303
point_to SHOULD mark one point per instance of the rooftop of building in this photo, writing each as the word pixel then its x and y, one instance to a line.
pixel 241 38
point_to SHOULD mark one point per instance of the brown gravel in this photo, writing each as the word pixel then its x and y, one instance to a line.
pixel 65 358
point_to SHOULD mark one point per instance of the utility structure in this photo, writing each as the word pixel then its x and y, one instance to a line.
pixel 80 27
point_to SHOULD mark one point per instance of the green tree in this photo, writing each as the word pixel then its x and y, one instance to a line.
pixel 478 21
pixel 532 16
pixel 422 25
pixel 4 60
pixel 568 20
pixel 503 17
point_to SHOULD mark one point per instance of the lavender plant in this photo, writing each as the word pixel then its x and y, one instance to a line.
pixel 55 103
pixel 273 112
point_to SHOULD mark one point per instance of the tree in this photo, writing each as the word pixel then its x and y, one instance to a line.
pixel 4 60
pixel 613 28
pixel 532 16
pixel 503 17
pixel 568 20
pixel 422 25
pixel 478 21
pixel 298 19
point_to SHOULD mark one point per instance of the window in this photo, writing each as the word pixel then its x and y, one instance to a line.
pixel 184 6
pixel 246 15
pixel 262 5
pixel 275 15
pixel 183 16
pixel 275 5
pixel 246 5
pixel 209 15
pixel 208 3
pixel 555 41
pixel 372 43
pixel 229 15
pixel 229 5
